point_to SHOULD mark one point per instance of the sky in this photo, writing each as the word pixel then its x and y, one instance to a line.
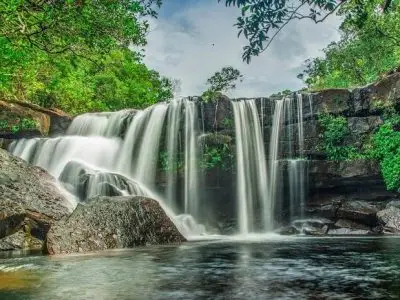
pixel 192 39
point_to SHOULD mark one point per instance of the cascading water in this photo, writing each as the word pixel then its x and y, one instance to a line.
pixel 287 148
pixel 253 200
pixel 118 154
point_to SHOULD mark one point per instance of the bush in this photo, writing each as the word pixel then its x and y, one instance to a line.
pixel 334 134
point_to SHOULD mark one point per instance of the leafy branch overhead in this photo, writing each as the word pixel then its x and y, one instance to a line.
pixel 78 26
pixel 262 20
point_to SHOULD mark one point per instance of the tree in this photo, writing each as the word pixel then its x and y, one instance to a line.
pixel 366 50
pixel 222 81
pixel 77 26
pixel 74 54
pixel 262 20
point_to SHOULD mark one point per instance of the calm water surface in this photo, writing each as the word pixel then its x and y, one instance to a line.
pixel 275 268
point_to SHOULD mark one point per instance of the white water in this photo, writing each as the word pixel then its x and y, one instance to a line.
pixel 174 118
pixel 252 192
pixel 125 166
pixel 191 196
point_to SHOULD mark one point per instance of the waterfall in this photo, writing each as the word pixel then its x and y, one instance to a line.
pixel 191 159
pixel 287 133
pixel 118 154
pixel 252 192
pixel 174 118
pixel 274 151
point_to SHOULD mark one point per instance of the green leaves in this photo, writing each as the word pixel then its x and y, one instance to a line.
pixel 385 146
pixel 221 81
pixel 369 47
pixel 262 20
pixel 334 134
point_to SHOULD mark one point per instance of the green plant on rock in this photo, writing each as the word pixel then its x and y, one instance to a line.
pixel 216 156
pixel 24 124
pixel 334 134
pixel 385 147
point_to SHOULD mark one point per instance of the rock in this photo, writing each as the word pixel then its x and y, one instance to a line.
pixel 363 125
pixel 348 231
pixel 390 219
pixel 112 222
pixel 29 198
pixel 394 203
pixel 315 231
pixel 218 114
pixel 288 230
pixel 342 223
pixel 20 241
pixel 24 120
pixel 359 211
pixel 86 182
pixel 334 101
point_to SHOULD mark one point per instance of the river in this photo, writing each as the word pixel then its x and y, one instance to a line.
pixel 258 268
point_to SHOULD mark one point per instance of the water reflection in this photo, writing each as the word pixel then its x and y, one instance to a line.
pixel 338 268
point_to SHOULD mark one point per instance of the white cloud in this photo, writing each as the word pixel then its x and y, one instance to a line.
pixel 191 44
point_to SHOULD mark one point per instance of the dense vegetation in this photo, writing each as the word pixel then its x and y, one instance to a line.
pixel 76 55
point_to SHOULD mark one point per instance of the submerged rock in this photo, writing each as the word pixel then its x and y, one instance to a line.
pixel 112 222
pixel 390 219
pixel 29 198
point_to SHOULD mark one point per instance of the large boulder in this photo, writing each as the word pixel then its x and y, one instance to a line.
pixel 112 222
pixel 29 198
pixel 390 219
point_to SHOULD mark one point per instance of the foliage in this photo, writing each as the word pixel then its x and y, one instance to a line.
pixel 87 67
pixel 369 47
pixel 221 81
pixel 385 147
pixel 334 133
pixel 19 124
pixel 216 156
pixel 262 20
pixel 77 26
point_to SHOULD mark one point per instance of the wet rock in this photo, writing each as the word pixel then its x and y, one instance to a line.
pixel 315 231
pixel 359 211
pixel 342 223
pixel 29 198
pixel 20 241
pixel 288 230
pixel 348 231
pixel 394 203
pixel 86 182
pixel 390 219
pixel 112 222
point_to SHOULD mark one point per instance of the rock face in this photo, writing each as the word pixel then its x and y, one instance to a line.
pixel 26 120
pixel 29 199
pixel 112 222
